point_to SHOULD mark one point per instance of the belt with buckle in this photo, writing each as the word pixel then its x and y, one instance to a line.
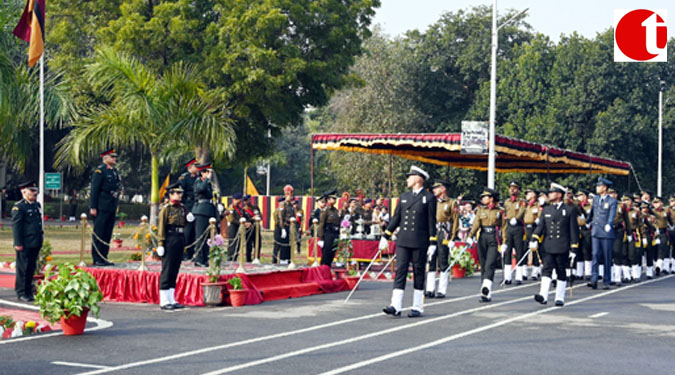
pixel 178 230
pixel 529 225
pixel 203 201
pixel 489 229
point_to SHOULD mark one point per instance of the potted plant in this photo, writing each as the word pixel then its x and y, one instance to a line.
pixel 117 240
pixel 237 292
pixel 352 278
pixel 68 296
pixel 122 216
pixel 463 265
pixel 214 291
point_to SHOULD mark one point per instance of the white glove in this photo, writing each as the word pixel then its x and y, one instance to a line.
pixel 431 251
pixel 221 208
pixel 320 243
pixel 657 231
pixel 629 238
pixel 190 217
pixel 657 241
pixel 283 233
pixel 608 228
pixel 582 216
pixel 160 251
pixel 503 248
pixel 384 244
pixel 588 225
pixel 451 245
pixel 536 221
pixel 572 255
pixel 634 215
pixel 534 244
pixel 513 221
pixel 644 242
pixel 470 241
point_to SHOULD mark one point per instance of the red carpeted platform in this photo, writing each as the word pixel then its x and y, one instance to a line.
pixel 123 285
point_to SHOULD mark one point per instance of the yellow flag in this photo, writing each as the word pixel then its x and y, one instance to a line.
pixel 162 189
pixel 250 188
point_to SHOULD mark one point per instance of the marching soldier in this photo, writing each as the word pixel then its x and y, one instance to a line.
pixel 531 219
pixel 187 182
pixel 584 206
pixel 661 236
pixel 488 219
pixel 105 190
pixel 513 233
pixel 203 210
pixel 28 238
pixel 251 212
pixel 234 213
pixel 558 230
pixel 171 240
pixel 447 213
pixel 647 231
pixel 416 217
pixel 329 229
pixel 630 268
pixel 621 229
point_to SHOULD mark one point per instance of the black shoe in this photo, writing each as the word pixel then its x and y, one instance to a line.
pixel 539 298
pixel 485 291
pixel 100 264
pixel 484 299
pixel 414 314
pixel 390 310
pixel 605 287
pixel 524 278
pixel 658 271
pixel 507 282
pixel 108 263
pixel 178 306
pixel 613 283
pixel 559 303
pixel 198 264
pixel 167 307
pixel 649 277
pixel 26 299
pixel 429 294
pixel 592 285
pixel 440 295
pixel 518 282
pixel 554 283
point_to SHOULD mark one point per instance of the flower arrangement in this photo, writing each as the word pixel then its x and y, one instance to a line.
pixel 10 328
pixel 464 261
pixel 134 257
pixel 44 257
pixel 236 283
pixel 217 252
pixel 345 248
pixel 69 293
pixel 116 236
pixel 146 240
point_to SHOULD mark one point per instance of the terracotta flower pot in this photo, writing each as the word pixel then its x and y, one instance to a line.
pixel 351 281
pixel 214 293
pixel 458 272
pixel 238 297
pixel 75 324
pixel 118 243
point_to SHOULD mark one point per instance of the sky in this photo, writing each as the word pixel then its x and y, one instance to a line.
pixel 587 17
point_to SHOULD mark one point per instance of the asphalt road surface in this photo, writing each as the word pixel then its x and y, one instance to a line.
pixel 625 330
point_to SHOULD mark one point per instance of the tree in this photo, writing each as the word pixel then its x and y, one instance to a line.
pixel 155 112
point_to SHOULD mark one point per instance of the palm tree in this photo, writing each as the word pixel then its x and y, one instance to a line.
pixel 159 113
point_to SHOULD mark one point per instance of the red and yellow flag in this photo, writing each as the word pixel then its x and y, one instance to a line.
pixel 31 28
pixel 250 188
pixel 162 189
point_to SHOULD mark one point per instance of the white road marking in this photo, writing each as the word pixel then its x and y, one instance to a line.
pixel 476 330
pixel 100 324
pixel 279 335
pixel 74 364
pixel 598 315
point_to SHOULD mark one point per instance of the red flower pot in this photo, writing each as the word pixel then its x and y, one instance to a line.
pixel 238 297
pixel 351 281
pixel 458 272
pixel 118 243
pixel 75 324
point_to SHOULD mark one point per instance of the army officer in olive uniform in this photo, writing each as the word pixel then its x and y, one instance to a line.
pixel 28 237
pixel 203 211
pixel 329 229
pixel 558 230
pixel 416 240
pixel 105 190
pixel 489 218
pixel 171 240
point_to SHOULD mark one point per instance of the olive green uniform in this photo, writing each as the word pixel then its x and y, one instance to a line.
pixel 27 232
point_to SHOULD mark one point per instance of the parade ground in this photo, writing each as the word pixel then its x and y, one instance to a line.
pixel 624 330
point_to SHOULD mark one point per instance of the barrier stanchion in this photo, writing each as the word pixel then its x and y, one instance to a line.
pixel 143 228
pixel 242 245
pixel 83 217
pixel 293 243
pixel 257 241
pixel 316 263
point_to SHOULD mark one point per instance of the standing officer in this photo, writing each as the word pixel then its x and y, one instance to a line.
pixel 416 216
pixel 171 240
pixel 621 230
pixel 281 243
pixel 531 219
pixel 447 213
pixel 513 233
pixel 488 219
pixel 602 231
pixel 559 231
pixel 28 237
pixel 187 182
pixel 671 230
pixel 316 214
pixel 105 191
pixel 329 229
pixel 661 236
pixel 251 212
pixel 234 213
pixel 203 210
pixel 584 206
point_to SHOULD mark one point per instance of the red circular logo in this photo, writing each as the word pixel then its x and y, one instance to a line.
pixel 631 34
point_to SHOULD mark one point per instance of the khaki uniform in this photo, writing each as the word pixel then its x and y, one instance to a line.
pixel 661 243
pixel 513 234
pixel 171 235
pixel 486 225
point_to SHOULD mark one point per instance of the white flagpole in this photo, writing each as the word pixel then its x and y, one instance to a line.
pixel 41 196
